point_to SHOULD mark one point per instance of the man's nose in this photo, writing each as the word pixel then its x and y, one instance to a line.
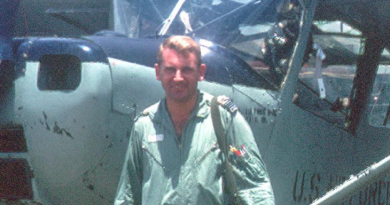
pixel 178 76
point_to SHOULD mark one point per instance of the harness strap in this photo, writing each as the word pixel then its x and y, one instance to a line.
pixel 231 185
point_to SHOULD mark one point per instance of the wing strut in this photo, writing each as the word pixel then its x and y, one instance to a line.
pixel 355 183
pixel 167 23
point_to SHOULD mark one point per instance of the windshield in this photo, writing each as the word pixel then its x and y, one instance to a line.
pixel 207 19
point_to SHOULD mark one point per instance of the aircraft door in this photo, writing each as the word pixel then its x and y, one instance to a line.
pixel 321 133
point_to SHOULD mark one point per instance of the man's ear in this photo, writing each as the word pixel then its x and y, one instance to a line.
pixel 202 71
pixel 157 69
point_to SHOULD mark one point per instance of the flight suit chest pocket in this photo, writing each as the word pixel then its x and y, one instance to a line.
pixel 151 157
pixel 208 169
pixel 209 151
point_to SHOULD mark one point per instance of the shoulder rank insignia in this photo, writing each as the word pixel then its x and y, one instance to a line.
pixel 227 103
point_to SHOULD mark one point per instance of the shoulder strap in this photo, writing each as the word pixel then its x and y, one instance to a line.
pixel 231 187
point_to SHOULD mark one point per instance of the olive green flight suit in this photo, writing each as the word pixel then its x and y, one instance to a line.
pixel 162 168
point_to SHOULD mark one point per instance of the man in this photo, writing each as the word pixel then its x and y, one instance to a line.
pixel 173 155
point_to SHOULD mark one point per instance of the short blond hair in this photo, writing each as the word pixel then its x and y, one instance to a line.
pixel 184 45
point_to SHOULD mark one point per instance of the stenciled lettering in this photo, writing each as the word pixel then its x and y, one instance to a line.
pixel 258 115
pixel 307 189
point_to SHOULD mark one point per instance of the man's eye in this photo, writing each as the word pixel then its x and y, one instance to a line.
pixel 170 70
pixel 187 70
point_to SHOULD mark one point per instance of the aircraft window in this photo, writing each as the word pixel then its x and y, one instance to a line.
pixel 326 77
pixel 379 105
pixel 59 72
pixel 250 46
pixel 336 27
pixel 265 44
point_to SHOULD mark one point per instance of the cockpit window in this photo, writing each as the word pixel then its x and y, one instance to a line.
pixel 250 45
pixel 379 105
pixel 265 39
pixel 327 74
pixel 336 27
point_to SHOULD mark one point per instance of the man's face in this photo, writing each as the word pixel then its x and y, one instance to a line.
pixel 179 75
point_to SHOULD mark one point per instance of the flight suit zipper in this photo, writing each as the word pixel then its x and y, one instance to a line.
pixel 180 147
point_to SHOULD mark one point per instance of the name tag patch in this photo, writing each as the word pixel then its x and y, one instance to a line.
pixel 155 138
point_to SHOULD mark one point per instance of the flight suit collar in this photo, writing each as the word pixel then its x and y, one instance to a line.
pixel 159 112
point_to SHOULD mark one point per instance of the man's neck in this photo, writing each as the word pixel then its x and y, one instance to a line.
pixel 180 113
